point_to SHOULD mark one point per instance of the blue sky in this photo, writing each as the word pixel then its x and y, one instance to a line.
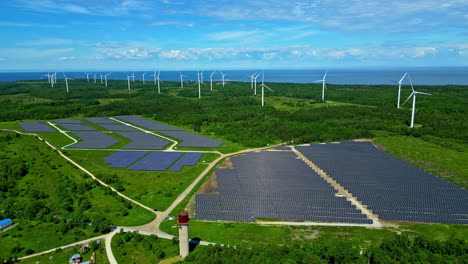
pixel 224 34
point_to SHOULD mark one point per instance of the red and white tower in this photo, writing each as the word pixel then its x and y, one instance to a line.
pixel 183 221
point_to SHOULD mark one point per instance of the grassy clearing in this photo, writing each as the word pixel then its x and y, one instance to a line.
pixel 156 189
pixel 447 163
pixel 62 256
pixel 11 125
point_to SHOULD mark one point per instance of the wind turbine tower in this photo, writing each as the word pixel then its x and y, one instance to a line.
pixel 105 78
pixel 252 80
pixel 323 86
pixel 413 94
pixel 66 81
pixel 399 88
pixel 222 76
pixel 263 89
pixel 94 77
pixel 211 81
pixel 199 85
pixel 128 80
pixel 144 77
pixel 181 80
pixel 87 76
pixel 101 76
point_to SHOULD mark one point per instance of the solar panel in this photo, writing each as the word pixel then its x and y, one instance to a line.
pixel 192 140
pixel 142 140
pixel 93 140
pixel 189 159
pixel 393 189
pixel 67 121
pixel 123 159
pixel 156 161
pixel 145 123
pixel 77 127
pixel 36 127
pixel 101 120
pixel 118 127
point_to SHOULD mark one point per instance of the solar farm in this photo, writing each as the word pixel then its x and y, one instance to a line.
pixel 152 161
pixel 278 185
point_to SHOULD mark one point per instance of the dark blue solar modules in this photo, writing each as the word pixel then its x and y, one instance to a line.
pixel 192 140
pixel 188 159
pixel 101 120
pixel 142 140
pixel 123 159
pixel 118 127
pixel 391 188
pixel 36 127
pixel 156 161
pixel 67 121
pixel 145 123
pixel 77 127
pixel 274 184
pixel 93 140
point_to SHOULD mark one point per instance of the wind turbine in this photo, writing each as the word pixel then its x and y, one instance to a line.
pixel 133 76
pixel 263 88
pixel 252 80
pixel 323 86
pixel 144 77
pixel 66 80
pixel 181 80
pixel 399 89
pixel 255 83
pixel 53 79
pixel 87 76
pixel 200 81
pixel 211 80
pixel 156 78
pixel 94 77
pixel 48 76
pixel 414 93
pixel 101 76
pixel 128 80
pixel 105 78
pixel 222 76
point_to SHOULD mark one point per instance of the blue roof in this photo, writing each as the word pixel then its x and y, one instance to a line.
pixel 4 221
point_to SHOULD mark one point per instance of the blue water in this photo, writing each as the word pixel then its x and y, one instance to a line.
pixel 421 76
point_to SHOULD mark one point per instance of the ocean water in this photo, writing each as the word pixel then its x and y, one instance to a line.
pixel 419 76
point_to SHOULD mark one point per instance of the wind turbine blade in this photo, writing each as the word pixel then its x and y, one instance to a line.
pixel 411 83
pixel 422 93
pixel 268 88
pixel 325 75
pixel 402 78
pixel 407 99
pixel 395 81
pixel 318 81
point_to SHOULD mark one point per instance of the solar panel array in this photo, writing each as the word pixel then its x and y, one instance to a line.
pixel 67 121
pixel 145 123
pixel 188 159
pixel 142 140
pixel 101 120
pixel 36 127
pixel 274 184
pixel 123 159
pixel 192 140
pixel 393 189
pixel 156 161
pixel 94 140
pixel 118 127
pixel 78 127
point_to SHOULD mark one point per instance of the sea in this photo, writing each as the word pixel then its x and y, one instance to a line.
pixel 419 76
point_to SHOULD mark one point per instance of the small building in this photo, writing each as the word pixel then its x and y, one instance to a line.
pixel 75 259
pixel 5 223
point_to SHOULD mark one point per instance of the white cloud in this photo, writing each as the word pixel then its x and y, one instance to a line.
pixel 419 51
pixel 66 58
pixel 229 35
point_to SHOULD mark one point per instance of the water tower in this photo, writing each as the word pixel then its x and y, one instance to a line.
pixel 183 221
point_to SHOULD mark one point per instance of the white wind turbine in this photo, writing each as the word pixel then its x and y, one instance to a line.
pixel 66 81
pixel 156 79
pixel 263 89
pixel 48 76
pixel 222 76
pixel 255 83
pixel 144 77
pixel 53 79
pixel 181 80
pixel 87 76
pixel 211 80
pixel 252 80
pixel 101 76
pixel 128 80
pixel 413 94
pixel 200 81
pixel 94 77
pixel 399 89
pixel 323 86
pixel 105 77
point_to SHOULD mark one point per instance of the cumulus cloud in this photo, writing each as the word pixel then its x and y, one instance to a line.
pixel 66 58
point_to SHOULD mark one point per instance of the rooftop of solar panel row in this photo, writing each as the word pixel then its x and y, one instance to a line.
pixel 142 140
pixel 274 184
pixel 189 159
pixel 93 140
pixel 78 127
pixel 123 159
pixel 67 121
pixel 156 161
pixel 192 140
pixel 36 127
pixel 145 123
pixel 101 120
pixel 118 127
pixel 393 189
